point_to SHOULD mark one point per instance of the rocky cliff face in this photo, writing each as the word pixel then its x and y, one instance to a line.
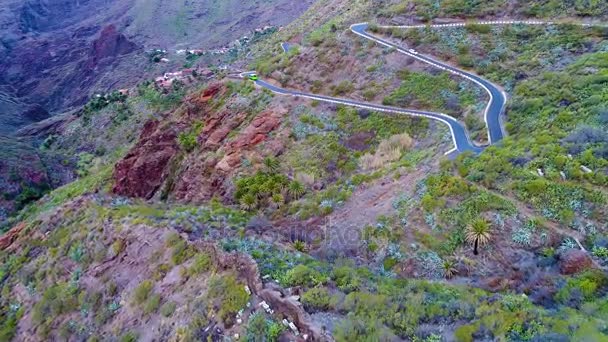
pixel 158 165
pixel 53 55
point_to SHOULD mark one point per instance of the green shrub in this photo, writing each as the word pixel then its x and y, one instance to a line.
pixel 476 28
pixel 129 336
pixel 172 239
pixel 181 252
pixel 142 291
pixel 275 330
pixel 202 263
pixel 346 278
pixel 168 309
pixel 302 275
pixel 465 333
pixel 588 284
pixel 8 327
pixel 56 300
pixel 361 329
pixel 600 252
pixel 256 328
pixel 152 304
pixel 189 140
pixel 343 88
pixel 262 329
pixel 230 295
pixel 317 298
pixel 367 304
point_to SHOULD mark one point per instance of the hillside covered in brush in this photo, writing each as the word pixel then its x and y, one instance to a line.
pixel 202 206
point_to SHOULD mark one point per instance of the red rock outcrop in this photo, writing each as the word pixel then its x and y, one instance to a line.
pixel 7 239
pixel 251 136
pixel 574 261
pixel 203 178
pixel 142 171
pixel 203 175
pixel 110 43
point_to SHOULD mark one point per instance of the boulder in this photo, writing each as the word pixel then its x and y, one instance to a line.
pixel 574 261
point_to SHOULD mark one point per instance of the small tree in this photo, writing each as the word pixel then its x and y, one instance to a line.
pixel 478 233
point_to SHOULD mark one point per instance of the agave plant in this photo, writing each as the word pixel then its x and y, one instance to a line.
pixel 271 164
pixel 248 202
pixel 296 189
pixel 449 268
pixel 478 233
pixel 265 189
pixel 299 245
pixel 277 200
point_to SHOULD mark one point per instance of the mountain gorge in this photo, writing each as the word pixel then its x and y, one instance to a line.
pixel 58 53
pixel 291 187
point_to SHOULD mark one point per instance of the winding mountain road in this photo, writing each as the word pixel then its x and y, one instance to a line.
pixel 460 137
pixel 498 98
pixel 459 134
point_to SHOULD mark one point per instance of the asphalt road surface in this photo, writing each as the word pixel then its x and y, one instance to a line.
pixel 494 110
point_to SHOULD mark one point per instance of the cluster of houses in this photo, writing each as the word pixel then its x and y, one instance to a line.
pixel 195 52
pixel 185 76
pixel 231 47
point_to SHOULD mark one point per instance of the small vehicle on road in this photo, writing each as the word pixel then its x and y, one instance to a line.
pixel 254 77
pixel 413 51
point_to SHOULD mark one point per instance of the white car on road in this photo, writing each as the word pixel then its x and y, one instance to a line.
pixel 413 51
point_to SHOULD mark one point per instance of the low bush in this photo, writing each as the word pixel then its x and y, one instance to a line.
pixel 261 329
pixel 202 263
pixel 181 252
pixel 303 275
pixel 229 294
pixel 142 292
pixel 168 309
pixel 189 140
pixel 317 298
pixel 152 304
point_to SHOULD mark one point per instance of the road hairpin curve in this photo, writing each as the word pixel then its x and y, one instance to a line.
pixel 493 114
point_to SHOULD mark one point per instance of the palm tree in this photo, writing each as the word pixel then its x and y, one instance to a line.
pixel 478 233
pixel 271 164
pixel 296 189
pixel 277 200
pixel 449 268
pixel 299 245
pixel 248 202
pixel 265 189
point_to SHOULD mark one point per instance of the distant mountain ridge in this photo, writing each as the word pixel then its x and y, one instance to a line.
pixel 55 53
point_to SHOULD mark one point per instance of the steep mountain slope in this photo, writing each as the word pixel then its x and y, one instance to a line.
pixel 56 53
pixel 350 224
